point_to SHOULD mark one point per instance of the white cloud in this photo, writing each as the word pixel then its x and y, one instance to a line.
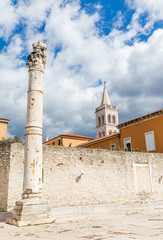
pixel 154 8
pixel 8 18
pixel 149 9
pixel 118 20
pixel 133 73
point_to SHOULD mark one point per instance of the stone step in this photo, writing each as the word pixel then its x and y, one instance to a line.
pixel 27 202
pixel 29 217
pixel 31 209
pixel 29 222
pixel 107 208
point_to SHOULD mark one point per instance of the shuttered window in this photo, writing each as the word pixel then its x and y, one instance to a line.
pixel 150 141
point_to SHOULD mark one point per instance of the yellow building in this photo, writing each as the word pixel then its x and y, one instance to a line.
pixel 144 133
pixel 67 140
pixel 111 142
pixel 3 128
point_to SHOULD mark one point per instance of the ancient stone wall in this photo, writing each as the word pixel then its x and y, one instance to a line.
pixel 4 173
pixel 74 176
pixel 15 185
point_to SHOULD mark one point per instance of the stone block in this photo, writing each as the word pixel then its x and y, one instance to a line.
pixel 29 222
pixel 31 209
pixel 29 217
pixel 29 212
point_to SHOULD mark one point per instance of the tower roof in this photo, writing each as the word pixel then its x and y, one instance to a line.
pixel 105 96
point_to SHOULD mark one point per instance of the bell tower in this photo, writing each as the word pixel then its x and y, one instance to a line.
pixel 106 116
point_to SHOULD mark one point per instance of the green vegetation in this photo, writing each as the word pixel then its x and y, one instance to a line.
pixel 17 138
pixel 135 150
pixel 62 142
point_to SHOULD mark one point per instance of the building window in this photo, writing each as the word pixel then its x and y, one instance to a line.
pixel 109 118
pixel 112 147
pixel 113 118
pixel 127 144
pixel 103 133
pixel 99 121
pixel 103 119
pixel 99 135
pixel 110 131
pixel 59 142
pixel 114 131
pixel 53 143
pixel 150 141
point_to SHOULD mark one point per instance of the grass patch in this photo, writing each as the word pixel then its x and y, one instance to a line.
pixel 31 234
pixel 38 224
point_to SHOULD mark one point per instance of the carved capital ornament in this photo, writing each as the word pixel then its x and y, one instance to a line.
pixel 37 58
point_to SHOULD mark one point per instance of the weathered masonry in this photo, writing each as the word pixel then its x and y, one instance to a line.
pixel 74 176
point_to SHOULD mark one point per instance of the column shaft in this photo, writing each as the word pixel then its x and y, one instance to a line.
pixel 32 186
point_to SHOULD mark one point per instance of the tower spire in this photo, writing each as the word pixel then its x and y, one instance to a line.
pixel 105 96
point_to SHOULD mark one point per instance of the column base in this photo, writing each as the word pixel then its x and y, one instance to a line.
pixel 30 212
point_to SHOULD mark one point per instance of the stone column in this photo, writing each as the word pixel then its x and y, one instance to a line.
pixel 32 209
pixel 33 144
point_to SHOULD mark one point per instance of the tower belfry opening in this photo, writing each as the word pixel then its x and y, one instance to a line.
pixel 106 116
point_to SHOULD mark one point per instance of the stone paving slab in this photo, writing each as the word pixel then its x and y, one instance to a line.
pixel 94 227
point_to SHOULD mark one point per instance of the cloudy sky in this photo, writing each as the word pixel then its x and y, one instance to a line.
pixel 89 42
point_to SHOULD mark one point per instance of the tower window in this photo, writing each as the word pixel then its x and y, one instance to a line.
pixel 103 133
pixel 113 117
pixel 109 118
pixel 99 135
pixel 110 131
pixel 103 119
pixel 99 121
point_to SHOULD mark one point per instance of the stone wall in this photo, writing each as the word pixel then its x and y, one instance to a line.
pixel 4 173
pixel 15 185
pixel 74 176
pixel 77 176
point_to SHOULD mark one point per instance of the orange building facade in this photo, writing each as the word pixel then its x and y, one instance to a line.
pixel 144 134
pixel 111 142
pixel 67 140
pixel 3 128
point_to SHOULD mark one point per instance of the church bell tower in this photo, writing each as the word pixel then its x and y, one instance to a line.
pixel 106 116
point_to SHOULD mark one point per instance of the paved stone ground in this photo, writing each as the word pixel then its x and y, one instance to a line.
pixel 125 226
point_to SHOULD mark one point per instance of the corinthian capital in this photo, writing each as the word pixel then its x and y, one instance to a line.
pixel 37 58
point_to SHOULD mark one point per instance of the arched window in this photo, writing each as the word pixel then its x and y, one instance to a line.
pixel 103 133
pixel 110 131
pixel 109 118
pixel 113 118
pixel 59 142
pixel 99 121
pixel 114 131
pixel 102 119
pixel 99 135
